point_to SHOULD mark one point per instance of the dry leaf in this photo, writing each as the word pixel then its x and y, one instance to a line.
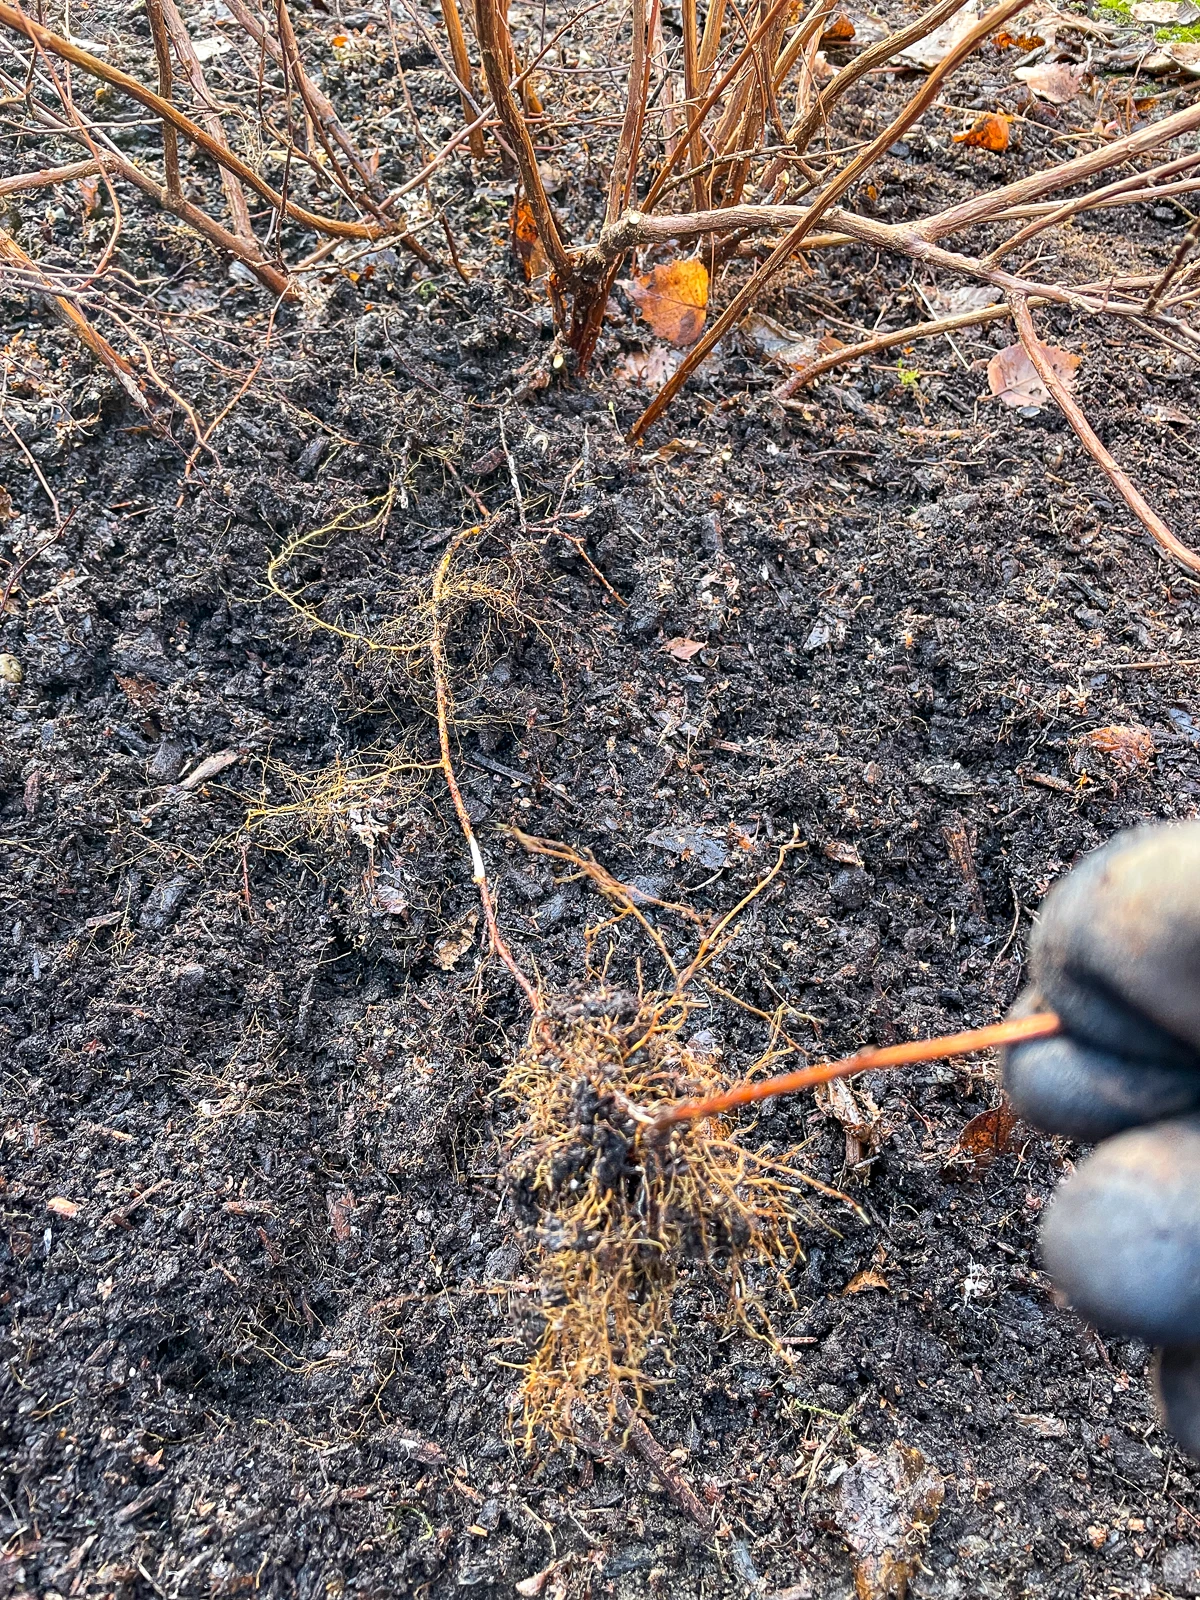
pixel 89 189
pixel 1044 1427
pixel 886 1505
pixel 1184 56
pixel 1053 81
pixel 526 245
pixel 862 1282
pixel 1128 747
pixel 966 297
pixel 1166 13
pixel 62 1207
pixel 928 52
pixel 763 336
pixel 840 31
pixel 990 1134
pixel 210 49
pixel 1013 379
pixel 1024 42
pixel 988 132
pixel 650 367
pixel 341 1208
pixel 683 649
pixel 1159 411
pixel 841 851
pixel 456 943
pixel 673 299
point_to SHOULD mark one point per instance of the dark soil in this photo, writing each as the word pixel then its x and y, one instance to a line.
pixel 277 1346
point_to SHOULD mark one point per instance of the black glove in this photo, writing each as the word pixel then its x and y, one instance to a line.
pixel 1116 953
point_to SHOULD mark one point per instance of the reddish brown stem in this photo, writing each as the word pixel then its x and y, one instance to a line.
pixel 19 21
pixel 462 66
pixel 162 56
pixel 1043 1025
pixel 844 181
pixel 445 711
pixel 1116 474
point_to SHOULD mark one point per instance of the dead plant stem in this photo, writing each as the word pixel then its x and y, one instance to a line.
pixel 441 683
pixel 1071 409
pixel 1042 1025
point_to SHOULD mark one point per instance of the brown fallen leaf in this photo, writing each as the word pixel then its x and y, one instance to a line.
pixel 341 1208
pixel 683 649
pixel 673 298
pixel 926 53
pixel 455 944
pixel 526 244
pixel 1166 13
pixel 1044 1427
pixel 992 1133
pixel 1127 747
pixel 1053 81
pixel 1158 411
pixel 649 367
pixel 840 31
pixel 1013 379
pixel 62 1207
pixel 1184 56
pixel 864 1281
pixel 841 851
pixel 988 132
pixel 886 1505
pixel 763 336
pixel 89 192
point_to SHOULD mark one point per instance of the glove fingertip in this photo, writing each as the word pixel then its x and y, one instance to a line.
pixel 1177 1383
pixel 1074 1089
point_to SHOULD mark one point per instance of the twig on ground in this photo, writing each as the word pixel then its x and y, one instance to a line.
pixel 812 370
pixel 1042 1025
pixel 1117 476
pixel 441 683
pixel 681 1494
pixel 11 252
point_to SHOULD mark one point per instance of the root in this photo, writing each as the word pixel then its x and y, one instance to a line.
pixel 619 1207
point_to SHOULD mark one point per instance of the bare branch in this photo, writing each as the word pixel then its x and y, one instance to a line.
pixel 1117 476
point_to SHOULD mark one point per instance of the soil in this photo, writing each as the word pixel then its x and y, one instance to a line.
pixel 265 1296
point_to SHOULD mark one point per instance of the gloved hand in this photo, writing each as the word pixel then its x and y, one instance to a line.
pixel 1116 953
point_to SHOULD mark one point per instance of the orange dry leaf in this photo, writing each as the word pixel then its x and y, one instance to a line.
pixel 1129 747
pixel 1024 42
pixel 526 245
pixel 1013 378
pixel 839 31
pixel 89 189
pixel 673 299
pixel 988 132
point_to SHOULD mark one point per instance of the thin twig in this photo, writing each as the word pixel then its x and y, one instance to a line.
pixel 656 1458
pixel 1042 1025
pixel 812 370
pixel 844 180
pixel 239 211
pixel 162 57
pixel 11 252
pixel 19 21
pixel 441 683
pixel 1120 480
